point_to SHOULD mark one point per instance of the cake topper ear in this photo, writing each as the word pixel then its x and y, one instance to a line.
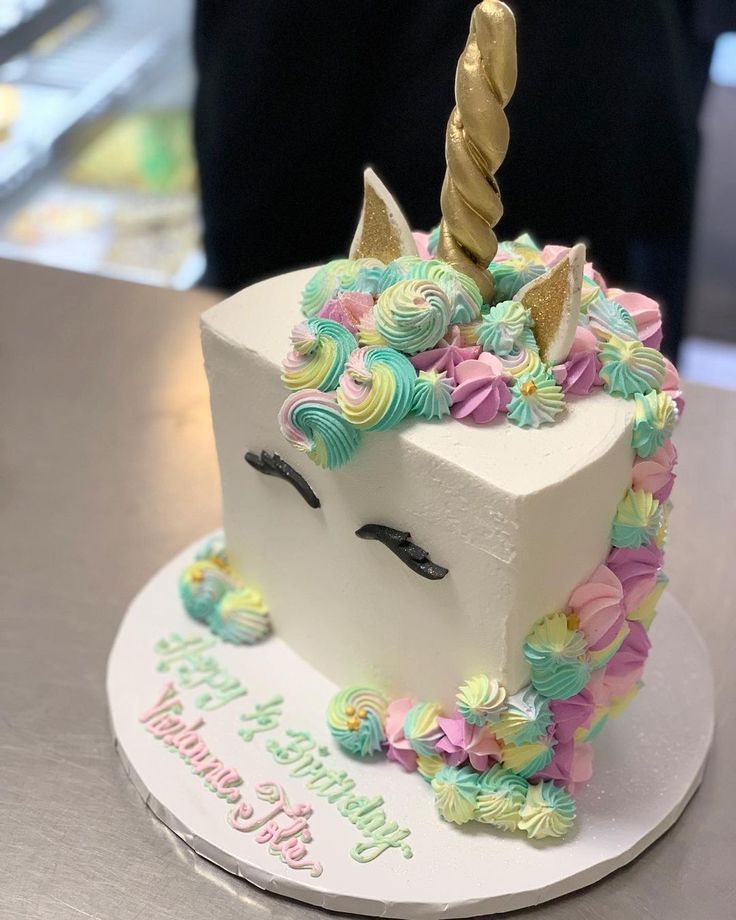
pixel 554 303
pixel 383 231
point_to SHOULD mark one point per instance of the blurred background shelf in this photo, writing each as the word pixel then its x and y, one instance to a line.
pixel 96 168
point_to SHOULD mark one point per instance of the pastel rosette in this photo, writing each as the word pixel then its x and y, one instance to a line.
pixel 349 309
pixel 463 741
pixel 625 669
pixel 481 390
pixel 412 315
pixel 338 276
pixel 655 473
pixel 201 586
pixel 455 793
pixel 320 348
pixel 598 605
pixel 672 385
pixel 507 328
pixel 630 368
pixel 429 766
pixel 398 747
pixel 536 399
pixel 481 700
pixel 654 422
pixel 376 389
pixel 579 374
pixel 558 658
pixel 215 550
pixel 637 570
pixel 635 521
pixel 462 292
pixel 421 728
pixel 517 263
pixel 311 421
pixel 524 361
pixel 501 796
pixel 356 717
pixel 447 355
pixel 432 395
pixel 572 714
pixel 549 811
pixel 241 617
pixel 527 718
pixel 531 757
pixel 645 313
pixel 609 319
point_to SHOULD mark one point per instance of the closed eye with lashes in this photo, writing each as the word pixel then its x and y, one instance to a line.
pixel 398 541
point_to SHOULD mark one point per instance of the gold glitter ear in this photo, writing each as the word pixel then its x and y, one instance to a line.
pixel 383 231
pixel 554 303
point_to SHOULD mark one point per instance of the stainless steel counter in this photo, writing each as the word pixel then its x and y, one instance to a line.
pixel 107 469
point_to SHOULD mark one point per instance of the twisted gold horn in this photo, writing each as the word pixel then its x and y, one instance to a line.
pixel 476 143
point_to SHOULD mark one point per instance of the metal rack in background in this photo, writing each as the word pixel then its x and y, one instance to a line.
pixel 24 21
pixel 62 86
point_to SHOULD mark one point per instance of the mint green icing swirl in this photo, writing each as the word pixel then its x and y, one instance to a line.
pixel 654 421
pixel 433 240
pixel 506 328
pixel 481 700
pixel 536 399
pixel 463 293
pixel 241 617
pixel 338 276
pixel 608 318
pixel 311 421
pixel 356 717
pixel 404 268
pixel 549 811
pixel 528 759
pixel 320 349
pixel 501 796
pixel 527 718
pixel 421 728
pixel 557 658
pixel 432 395
pixel 455 793
pixel 628 367
pixel 636 520
pixel 201 585
pixel 377 388
pixel 412 315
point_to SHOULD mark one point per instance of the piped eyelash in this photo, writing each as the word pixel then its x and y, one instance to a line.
pixel 272 465
pixel 401 545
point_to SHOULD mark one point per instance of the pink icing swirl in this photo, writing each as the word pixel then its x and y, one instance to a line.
pixel 598 604
pixel 636 569
pixel 447 355
pixel 655 474
pixel 559 768
pixel 579 374
pixel 348 309
pixel 481 391
pixel 399 749
pixel 625 669
pixel 463 742
pixel 672 385
pixel 421 241
pixel 645 312
pixel 572 714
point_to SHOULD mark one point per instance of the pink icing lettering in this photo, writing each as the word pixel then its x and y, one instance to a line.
pixel 166 702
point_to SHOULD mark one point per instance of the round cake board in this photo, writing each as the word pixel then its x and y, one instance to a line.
pixel 311 823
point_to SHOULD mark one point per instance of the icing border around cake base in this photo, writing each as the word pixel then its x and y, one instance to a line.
pixel 254 783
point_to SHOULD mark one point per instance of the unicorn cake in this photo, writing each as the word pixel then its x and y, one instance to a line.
pixel 446 467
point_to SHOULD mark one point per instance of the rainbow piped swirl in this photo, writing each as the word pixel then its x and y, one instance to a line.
pixel 412 315
pixel 320 348
pixel 311 421
pixel 356 718
pixel 377 388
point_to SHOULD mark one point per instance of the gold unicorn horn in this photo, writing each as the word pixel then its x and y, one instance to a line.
pixel 476 143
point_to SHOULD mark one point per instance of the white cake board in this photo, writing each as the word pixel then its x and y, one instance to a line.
pixel 648 764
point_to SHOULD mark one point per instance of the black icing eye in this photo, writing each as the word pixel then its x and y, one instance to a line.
pixel 400 544
pixel 272 465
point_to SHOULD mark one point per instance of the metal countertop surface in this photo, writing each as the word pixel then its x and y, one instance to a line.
pixel 107 469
